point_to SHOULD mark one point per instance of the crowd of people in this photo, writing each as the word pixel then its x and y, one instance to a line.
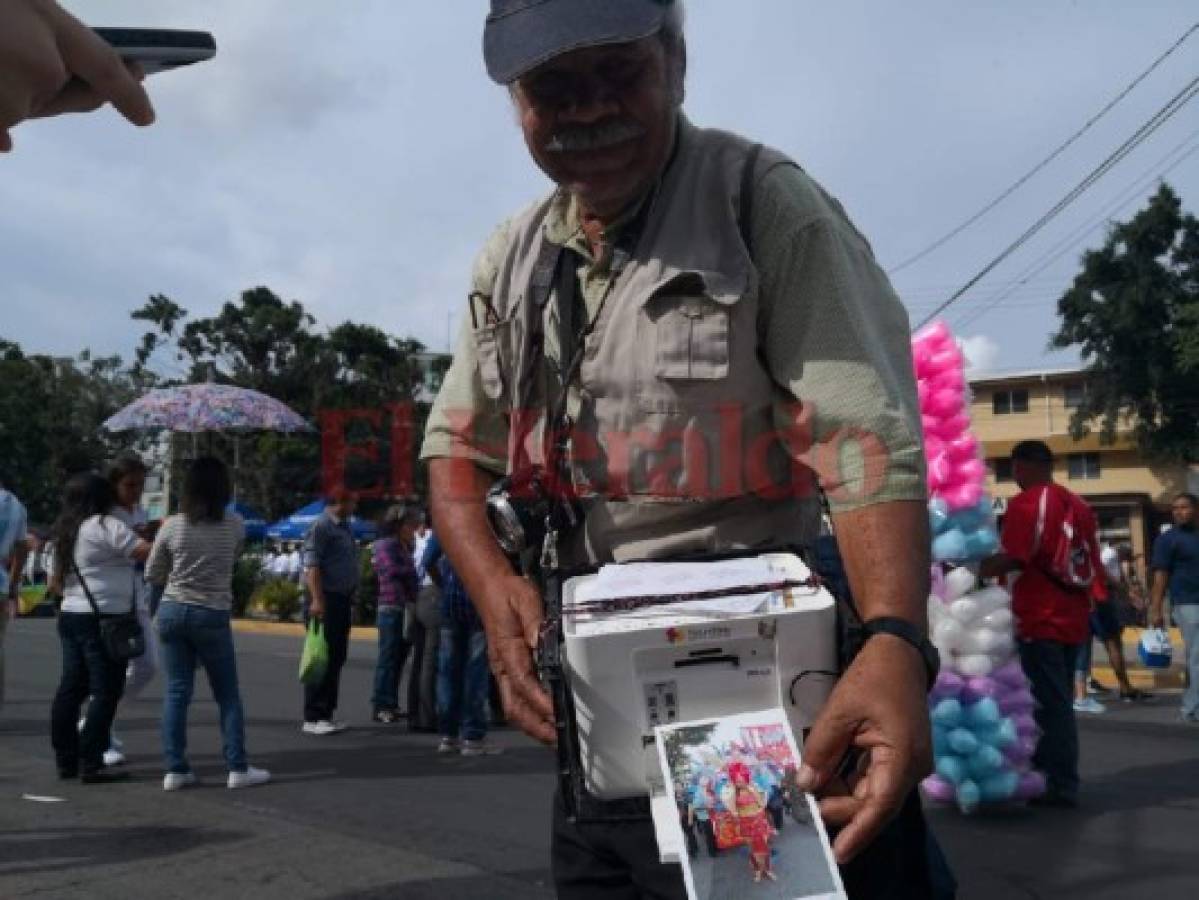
pixel 174 579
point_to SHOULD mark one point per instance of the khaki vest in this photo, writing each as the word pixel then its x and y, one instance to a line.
pixel 675 442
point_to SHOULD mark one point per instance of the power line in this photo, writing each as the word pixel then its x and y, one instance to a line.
pixel 1046 161
pixel 1075 237
pixel 1163 115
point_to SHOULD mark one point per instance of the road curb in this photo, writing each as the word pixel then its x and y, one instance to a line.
pixel 296 630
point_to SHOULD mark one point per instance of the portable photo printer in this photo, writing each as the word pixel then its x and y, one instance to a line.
pixel 734 652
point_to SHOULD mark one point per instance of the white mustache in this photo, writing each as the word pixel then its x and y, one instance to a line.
pixel 581 138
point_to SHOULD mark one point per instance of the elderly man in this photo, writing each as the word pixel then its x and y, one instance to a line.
pixel 708 329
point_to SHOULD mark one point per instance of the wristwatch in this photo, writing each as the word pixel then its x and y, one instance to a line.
pixel 906 631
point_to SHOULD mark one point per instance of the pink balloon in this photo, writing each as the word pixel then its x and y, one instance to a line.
pixel 936 333
pixel 933 446
pixel 945 402
pixel 940 469
pixel 921 356
pixel 953 427
pixel 930 424
pixel 962 496
pixel 973 470
pixel 946 360
pixel 962 448
pixel 951 378
pixel 923 389
pixel 938 789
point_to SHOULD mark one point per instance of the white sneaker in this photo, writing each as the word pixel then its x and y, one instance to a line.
pixel 177 781
pixel 251 777
pixel 324 726
pixel 114 742
pixel 480 748
pixel 1089 705
pixel 113 757
pixel 448 745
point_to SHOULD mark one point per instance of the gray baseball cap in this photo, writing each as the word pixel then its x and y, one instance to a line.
pixel 522 34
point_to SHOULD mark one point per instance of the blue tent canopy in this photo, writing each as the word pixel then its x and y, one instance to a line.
pixel 255 523
pixel 295 526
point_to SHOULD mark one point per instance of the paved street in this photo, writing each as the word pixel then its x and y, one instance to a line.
pixel 375 813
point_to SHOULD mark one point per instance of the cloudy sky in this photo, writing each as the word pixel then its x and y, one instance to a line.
pixel 353 155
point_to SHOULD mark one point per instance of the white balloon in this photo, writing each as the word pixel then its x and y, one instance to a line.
pixel 980 640
pixel 964 610
pixel 959 583
pixel 948 635
pixel 990 599
pixel 975 664
pixel 998 620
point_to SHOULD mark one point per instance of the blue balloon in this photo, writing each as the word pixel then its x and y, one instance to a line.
pixel 1000 786
pixel 949 546
pixel 981 543
pixel 968 519
pixel 969 796
pixel 962 742
pixel 940 739
pixel 986 761
pixel 982 714
pixel 938 515
pixel 951 768
pixel 947 713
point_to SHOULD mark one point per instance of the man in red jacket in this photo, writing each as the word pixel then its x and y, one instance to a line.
pixel 1051 611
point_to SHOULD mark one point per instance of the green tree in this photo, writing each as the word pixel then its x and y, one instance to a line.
pixel 1133 312
pixel 51 410
pixel 263 342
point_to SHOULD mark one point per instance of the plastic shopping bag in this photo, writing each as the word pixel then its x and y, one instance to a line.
pixel 1154 648
pixel 314 660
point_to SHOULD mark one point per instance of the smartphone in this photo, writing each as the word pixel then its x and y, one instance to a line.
pixel 160 49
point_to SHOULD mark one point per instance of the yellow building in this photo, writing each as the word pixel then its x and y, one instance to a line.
pixel 1131 498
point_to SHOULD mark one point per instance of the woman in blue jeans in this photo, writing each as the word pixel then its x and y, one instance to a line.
pixel 192 559
pixel 395 570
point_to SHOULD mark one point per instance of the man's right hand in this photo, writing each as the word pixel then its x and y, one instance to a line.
pixel 316 607
pixel 51 63
pixel 512 615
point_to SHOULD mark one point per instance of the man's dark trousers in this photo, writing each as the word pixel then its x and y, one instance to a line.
pixel 320 700
pixel 1049 666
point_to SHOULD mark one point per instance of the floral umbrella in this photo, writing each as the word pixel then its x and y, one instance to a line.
pixel 206 407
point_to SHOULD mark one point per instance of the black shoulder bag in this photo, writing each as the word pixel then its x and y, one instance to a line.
pixel 121 635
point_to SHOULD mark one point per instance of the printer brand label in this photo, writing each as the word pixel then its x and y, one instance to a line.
pixel 707 633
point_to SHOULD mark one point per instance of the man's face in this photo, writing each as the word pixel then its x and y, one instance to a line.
pixel 344 507
pixel 600 121
pixel 1183 511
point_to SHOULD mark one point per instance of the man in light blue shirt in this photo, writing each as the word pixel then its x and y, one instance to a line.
pixel 1175 567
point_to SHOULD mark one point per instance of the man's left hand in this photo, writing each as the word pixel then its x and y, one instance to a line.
pixel 880 707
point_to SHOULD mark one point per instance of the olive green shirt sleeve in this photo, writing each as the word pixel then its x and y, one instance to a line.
pixel 464 422
pixel 836 336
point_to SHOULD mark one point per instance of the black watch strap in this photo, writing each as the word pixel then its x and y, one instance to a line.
pixel 906 631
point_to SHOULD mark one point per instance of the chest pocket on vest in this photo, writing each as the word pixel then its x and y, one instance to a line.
pixel 492 348
pixel 691 337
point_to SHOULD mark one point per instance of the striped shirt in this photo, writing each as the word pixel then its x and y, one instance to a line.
pixel 195 560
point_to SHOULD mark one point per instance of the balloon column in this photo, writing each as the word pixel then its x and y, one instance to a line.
pixel 983 730
pixel 959 509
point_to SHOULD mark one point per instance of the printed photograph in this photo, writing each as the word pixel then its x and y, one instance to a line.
pixel 747 828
